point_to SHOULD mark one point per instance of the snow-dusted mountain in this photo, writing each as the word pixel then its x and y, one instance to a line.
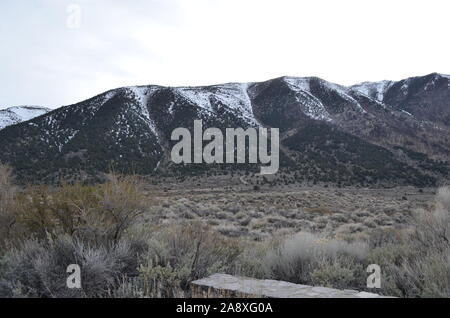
pixel 14 115
pixel 375 90
pixel 412 94
pixel 367 133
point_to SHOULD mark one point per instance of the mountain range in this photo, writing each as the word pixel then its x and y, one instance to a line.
pixel 373 133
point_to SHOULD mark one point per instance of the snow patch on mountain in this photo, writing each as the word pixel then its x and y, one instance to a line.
pixel 405 87
pixel 407 113
pixel 18 114
pixel 311 105
pixel 374 100
pixel 432 84
pixel 141 96
pixel 375 90
pixel 197 96
pixel 235 97
pixel 345 94
pixel 232 95
pixel 300 83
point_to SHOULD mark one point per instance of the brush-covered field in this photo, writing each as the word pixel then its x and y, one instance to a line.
pixel 138 238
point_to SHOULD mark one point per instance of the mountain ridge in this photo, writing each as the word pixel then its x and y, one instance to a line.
pixel 130 127
pixel 17 114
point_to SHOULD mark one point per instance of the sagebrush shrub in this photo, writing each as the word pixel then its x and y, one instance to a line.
pixel 38 268
pixel 297 258
pixel 187 252
pixel 417 263
pixel 443 198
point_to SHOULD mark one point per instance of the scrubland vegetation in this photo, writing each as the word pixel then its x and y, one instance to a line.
pixel 108 230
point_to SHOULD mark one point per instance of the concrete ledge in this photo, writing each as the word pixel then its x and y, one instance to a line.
pixel 221 285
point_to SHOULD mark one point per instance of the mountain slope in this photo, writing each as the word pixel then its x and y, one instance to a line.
pixel 425 98
pixel 14 115
pixel 371 133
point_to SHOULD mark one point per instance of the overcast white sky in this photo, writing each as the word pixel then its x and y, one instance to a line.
pixel 199 42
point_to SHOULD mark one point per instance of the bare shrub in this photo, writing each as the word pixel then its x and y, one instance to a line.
pixel 6 181
pixel 8 192
pixel 121 201
pixel 100 213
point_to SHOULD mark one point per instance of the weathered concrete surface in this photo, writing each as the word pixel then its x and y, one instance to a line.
pixel 221 285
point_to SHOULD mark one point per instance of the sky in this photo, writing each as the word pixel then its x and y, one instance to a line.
pixel 58 52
